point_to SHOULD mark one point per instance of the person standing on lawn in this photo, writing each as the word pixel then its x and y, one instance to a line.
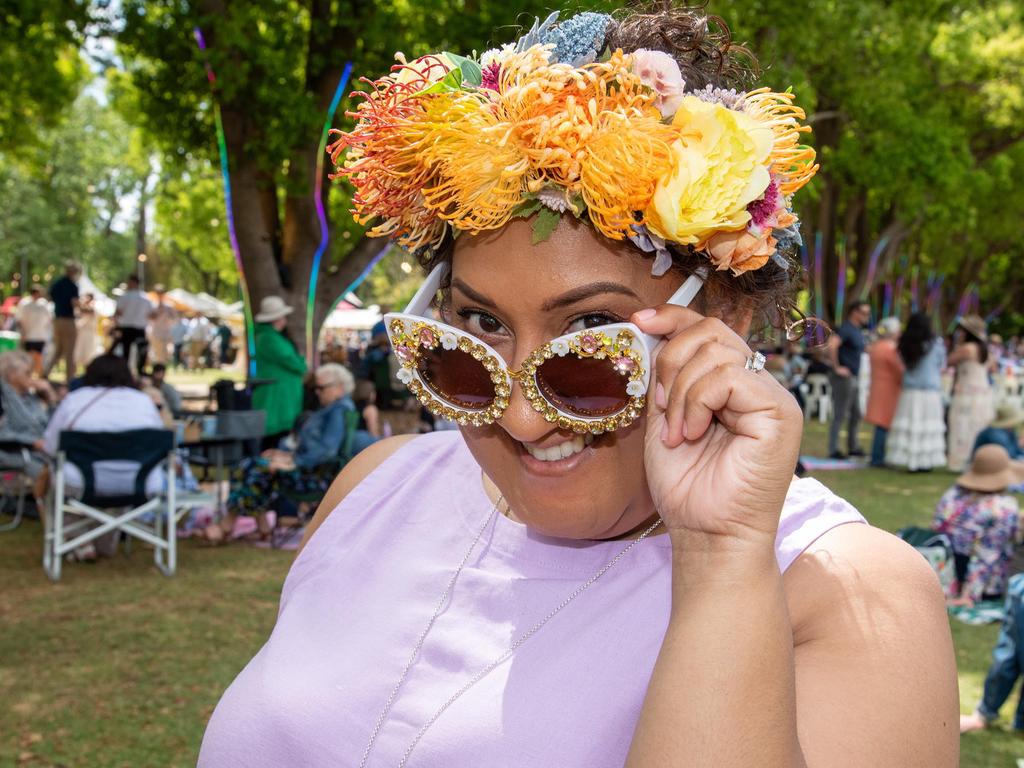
pixel 886 381
pixel 278 360
pixel 35 322
pixel 134 310
pixel 64 293
pixel 161 330
pixel 972 406
pixel 917 437
pixel 845 348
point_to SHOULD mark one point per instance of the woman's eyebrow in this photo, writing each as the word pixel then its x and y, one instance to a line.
pixel 567 298
pixel 585 292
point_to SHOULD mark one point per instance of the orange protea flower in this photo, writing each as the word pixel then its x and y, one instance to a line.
pixel 620 168
pixel 384 161
pixel 479 174
pixel 586 130
pixel 791 162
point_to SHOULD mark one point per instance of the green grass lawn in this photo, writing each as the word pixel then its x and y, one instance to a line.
pixel 118 666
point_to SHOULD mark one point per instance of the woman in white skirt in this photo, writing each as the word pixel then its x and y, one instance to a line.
pixel 917 439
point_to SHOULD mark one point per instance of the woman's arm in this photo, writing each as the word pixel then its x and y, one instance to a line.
pixel 966 351
pixel 749 672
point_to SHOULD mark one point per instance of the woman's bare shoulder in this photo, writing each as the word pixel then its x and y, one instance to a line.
pixel 857 566
pixel 869 620
pixel 351 475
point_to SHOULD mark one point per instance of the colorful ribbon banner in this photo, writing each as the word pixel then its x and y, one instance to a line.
pixel 362 275
pixel 913 290
pixel 819 287
pixel 222 148
pixel 873 261
pixel 321 214
pixel 841 281
pixel 887 302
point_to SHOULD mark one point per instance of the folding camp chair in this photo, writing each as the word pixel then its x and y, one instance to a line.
pixel 14 483
pixel 146 447
pixel 281 535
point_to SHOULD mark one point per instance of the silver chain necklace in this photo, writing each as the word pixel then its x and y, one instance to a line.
pixel 499 659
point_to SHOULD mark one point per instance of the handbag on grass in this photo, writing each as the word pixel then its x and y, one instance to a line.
pixel 937 548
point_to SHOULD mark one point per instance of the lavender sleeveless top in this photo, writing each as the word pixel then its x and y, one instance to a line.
pixel 361 592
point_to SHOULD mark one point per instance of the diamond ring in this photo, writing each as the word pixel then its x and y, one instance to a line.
pixel 755 362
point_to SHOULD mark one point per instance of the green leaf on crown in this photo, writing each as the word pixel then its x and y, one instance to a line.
pixel 544 224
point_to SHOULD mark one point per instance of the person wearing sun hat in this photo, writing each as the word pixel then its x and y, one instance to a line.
pixel 588 571
pixel 1003 431
pixel 278 360
pixel 972 406
pixel 980 518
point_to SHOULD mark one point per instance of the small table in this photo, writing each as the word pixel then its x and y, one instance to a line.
pixel 217 444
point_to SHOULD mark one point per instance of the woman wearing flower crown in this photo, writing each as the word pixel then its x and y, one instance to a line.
pixel 611 562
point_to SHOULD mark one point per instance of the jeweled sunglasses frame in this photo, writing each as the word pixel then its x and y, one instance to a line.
pixel 626 347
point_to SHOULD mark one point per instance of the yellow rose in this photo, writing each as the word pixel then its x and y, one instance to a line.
pixel 718 169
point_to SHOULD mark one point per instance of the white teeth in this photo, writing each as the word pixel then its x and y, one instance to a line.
pixel 562 450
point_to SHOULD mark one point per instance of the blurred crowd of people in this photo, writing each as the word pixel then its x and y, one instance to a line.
pixel 61 328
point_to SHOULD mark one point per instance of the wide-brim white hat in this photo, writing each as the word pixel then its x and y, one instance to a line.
pixel 272 308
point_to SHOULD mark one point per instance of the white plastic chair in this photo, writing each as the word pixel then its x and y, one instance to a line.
pixel 818 398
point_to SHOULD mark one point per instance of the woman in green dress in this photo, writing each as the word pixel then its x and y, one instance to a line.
pixel 277 359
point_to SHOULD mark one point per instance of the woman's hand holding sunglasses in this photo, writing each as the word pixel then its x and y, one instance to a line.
pixel 722 440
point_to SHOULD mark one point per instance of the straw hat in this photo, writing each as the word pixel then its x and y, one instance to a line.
pixel 973 325
pixel 991 470
pixel 272 308
pixel 1008 416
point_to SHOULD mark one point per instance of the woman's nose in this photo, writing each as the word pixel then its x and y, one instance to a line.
pixel 520 420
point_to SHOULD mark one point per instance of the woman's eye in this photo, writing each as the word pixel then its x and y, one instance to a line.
pixel 480 323
pixel 590 321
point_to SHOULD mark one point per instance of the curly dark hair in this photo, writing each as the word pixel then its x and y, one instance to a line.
pixel 703 47
pixel 916 339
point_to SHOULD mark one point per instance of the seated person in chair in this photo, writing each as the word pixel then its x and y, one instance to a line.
pixel 107 401
pixel 308 470
pixel 26 409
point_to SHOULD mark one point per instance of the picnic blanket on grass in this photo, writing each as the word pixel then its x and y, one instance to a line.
pixel 985 612
pixel 816 463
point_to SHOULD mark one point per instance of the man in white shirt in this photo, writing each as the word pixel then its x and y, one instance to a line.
pixel 35 321
pixel 133 314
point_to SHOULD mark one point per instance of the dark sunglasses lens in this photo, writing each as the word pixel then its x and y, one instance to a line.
pixel 583 386
pixel 457 377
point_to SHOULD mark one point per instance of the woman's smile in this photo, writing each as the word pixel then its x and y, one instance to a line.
pixel 557 457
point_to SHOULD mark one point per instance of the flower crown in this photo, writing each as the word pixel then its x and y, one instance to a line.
pixel 549 126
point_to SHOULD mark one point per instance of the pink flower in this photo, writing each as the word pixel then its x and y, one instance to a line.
pixel 491 76
pixel 659 72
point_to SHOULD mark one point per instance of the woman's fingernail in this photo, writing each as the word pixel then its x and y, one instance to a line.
pixel 644 314
pixel 664 432
pixel 659 396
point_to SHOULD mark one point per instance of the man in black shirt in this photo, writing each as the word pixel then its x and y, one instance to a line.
pixel 64 294
pixel 845 348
